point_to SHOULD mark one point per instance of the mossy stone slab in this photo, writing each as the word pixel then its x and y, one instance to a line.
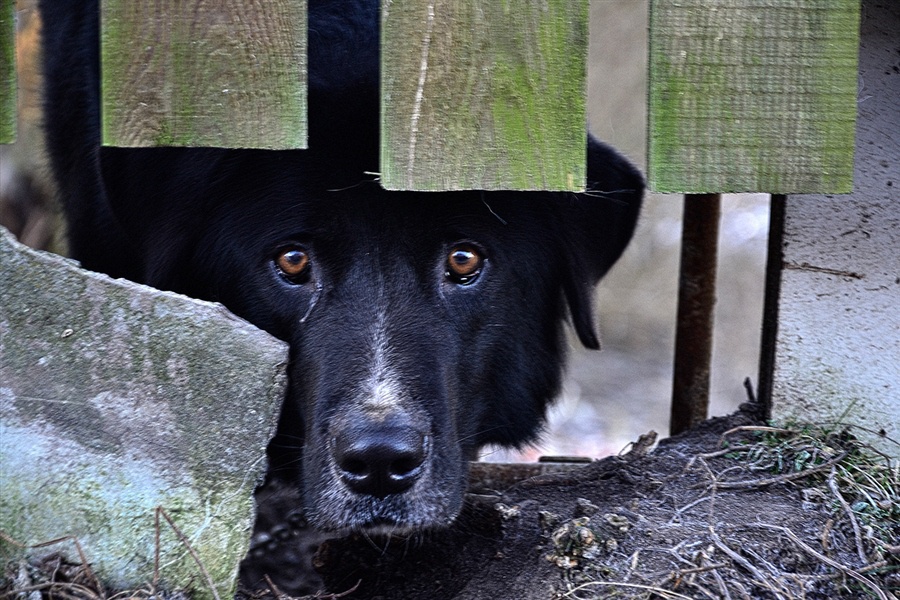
pixel 116 399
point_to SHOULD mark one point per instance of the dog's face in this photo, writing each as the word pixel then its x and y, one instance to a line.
pixel 421 326
pixel 391 355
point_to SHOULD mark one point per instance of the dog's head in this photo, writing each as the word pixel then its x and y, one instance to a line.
pixel 421 326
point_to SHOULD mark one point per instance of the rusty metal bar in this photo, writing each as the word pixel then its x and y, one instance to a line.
pixel 696 301
pixel 774 265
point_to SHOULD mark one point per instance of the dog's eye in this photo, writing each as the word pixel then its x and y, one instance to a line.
pixel 293 263
pixel 464 264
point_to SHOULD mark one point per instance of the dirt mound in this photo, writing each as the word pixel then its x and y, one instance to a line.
pixel 732 509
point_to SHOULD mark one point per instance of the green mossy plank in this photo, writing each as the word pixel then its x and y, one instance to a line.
pixel 7 71
pixel 224 73
pixel 752 95
pixel 484 95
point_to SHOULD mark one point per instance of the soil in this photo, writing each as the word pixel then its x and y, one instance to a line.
pixel 731 509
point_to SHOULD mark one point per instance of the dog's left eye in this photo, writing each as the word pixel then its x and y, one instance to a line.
pixel 293 264
pixel 464 263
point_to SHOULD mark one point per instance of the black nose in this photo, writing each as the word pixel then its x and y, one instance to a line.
pixel 378 460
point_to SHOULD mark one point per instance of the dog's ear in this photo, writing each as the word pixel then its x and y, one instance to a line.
pixel 599 224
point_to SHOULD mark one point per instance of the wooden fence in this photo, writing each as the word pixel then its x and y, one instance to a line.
pixel 744 96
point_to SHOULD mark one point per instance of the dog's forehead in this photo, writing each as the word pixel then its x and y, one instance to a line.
pixel 296 203
pixel 380 215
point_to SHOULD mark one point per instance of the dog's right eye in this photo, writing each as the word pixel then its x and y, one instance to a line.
pixel 464 263
pixel 293 264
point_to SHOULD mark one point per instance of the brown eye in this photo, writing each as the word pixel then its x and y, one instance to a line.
pixel 293 264
pixel 464 264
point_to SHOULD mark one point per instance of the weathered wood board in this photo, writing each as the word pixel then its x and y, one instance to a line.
pixel 752 95
pixel 7 71
pixel 484 95
pixel 837 342
pixel 204 73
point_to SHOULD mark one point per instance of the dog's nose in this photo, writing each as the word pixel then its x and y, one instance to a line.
pixel 380 460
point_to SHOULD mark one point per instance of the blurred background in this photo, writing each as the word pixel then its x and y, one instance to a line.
pixel 609 397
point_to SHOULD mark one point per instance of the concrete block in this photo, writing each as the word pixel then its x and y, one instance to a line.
pixel 116 399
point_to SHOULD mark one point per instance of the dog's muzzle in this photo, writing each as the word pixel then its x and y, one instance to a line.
pixel 379 459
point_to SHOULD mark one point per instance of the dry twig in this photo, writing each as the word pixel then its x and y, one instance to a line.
pixel 762 579
pixel 757 483
pixel 656 590
pixel 335 596
pixel 832 485
pixel 721 582
pixel 187 544
pixel 751 428
pixel 85 565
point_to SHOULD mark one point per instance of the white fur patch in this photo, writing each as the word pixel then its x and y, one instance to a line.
pixel 382 392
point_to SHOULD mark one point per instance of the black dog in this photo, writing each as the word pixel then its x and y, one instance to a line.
pixel 422 326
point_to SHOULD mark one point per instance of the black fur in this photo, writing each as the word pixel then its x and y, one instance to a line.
pixel 391 360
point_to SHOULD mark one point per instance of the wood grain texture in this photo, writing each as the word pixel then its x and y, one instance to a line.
pixel 7 71
pixel 752 95
pixel 228 73
pixel 483 95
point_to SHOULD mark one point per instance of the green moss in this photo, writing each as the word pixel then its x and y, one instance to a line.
pixel 757 98
pixel 7 71
pixel 503 101
pixel 181 78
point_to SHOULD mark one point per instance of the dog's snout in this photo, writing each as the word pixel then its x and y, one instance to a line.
pixel 380 460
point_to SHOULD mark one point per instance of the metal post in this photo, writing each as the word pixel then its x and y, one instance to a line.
pixel 774 265
pixel 696 300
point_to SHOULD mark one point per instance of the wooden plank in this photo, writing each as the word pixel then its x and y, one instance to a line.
pixel 7 71
pixel 752 95
pixel 222 73
pixel 484 95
